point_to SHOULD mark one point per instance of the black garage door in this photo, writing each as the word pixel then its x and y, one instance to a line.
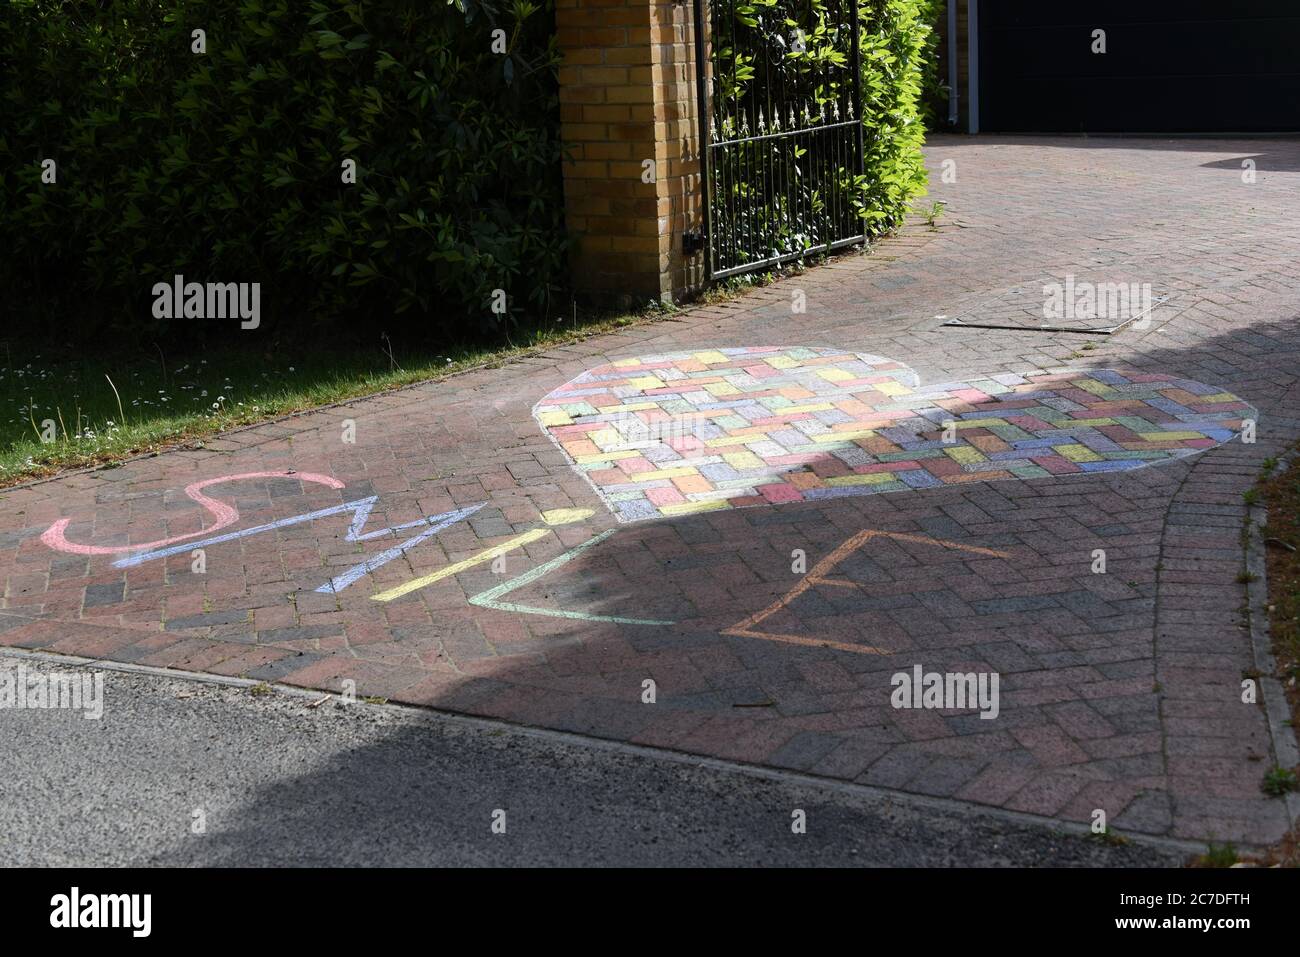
pixel 1190 66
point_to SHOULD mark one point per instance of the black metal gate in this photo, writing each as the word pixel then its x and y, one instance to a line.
pixel 780 110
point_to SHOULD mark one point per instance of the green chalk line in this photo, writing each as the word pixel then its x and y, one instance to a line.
pixel 488 599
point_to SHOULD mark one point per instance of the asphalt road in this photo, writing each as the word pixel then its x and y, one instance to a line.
pixel 282 783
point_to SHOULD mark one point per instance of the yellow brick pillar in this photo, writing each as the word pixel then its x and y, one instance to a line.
pixel 628 117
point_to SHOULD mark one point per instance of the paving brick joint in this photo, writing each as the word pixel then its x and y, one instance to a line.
pixel 1120 690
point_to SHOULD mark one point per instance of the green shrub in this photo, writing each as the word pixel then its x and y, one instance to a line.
pixel 896 52
pixel 226 166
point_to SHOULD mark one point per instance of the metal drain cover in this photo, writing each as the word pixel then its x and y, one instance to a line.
pixel 1088 304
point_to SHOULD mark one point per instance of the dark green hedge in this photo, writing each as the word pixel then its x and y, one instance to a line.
pixel 226 166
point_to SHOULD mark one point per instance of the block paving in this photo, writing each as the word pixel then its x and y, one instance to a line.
pixel 1119 691
pixel 671 435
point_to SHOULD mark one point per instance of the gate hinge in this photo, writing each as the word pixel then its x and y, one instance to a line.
pixel 693 241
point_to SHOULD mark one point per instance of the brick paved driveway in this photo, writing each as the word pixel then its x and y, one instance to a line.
pixel 1120 691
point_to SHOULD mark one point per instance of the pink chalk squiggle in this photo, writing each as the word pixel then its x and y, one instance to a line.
pixel 223 515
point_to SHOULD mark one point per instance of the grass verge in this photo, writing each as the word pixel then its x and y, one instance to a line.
pixel 1281 497
pixel 58 414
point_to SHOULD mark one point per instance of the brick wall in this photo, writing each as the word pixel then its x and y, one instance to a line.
pixel 627 95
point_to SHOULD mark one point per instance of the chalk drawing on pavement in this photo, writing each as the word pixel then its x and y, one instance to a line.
pixel 667 435
pixel 433 524
pixel 491 597
pixel 817 576
pixel 225 515
pixel 457 567
pixel 675 434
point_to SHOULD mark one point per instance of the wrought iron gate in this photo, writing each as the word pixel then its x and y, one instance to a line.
pixel 780 109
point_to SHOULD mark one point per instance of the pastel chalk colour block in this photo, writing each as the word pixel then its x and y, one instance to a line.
pixel 667 435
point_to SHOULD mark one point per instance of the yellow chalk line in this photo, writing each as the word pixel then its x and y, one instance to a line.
pixel 455 569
